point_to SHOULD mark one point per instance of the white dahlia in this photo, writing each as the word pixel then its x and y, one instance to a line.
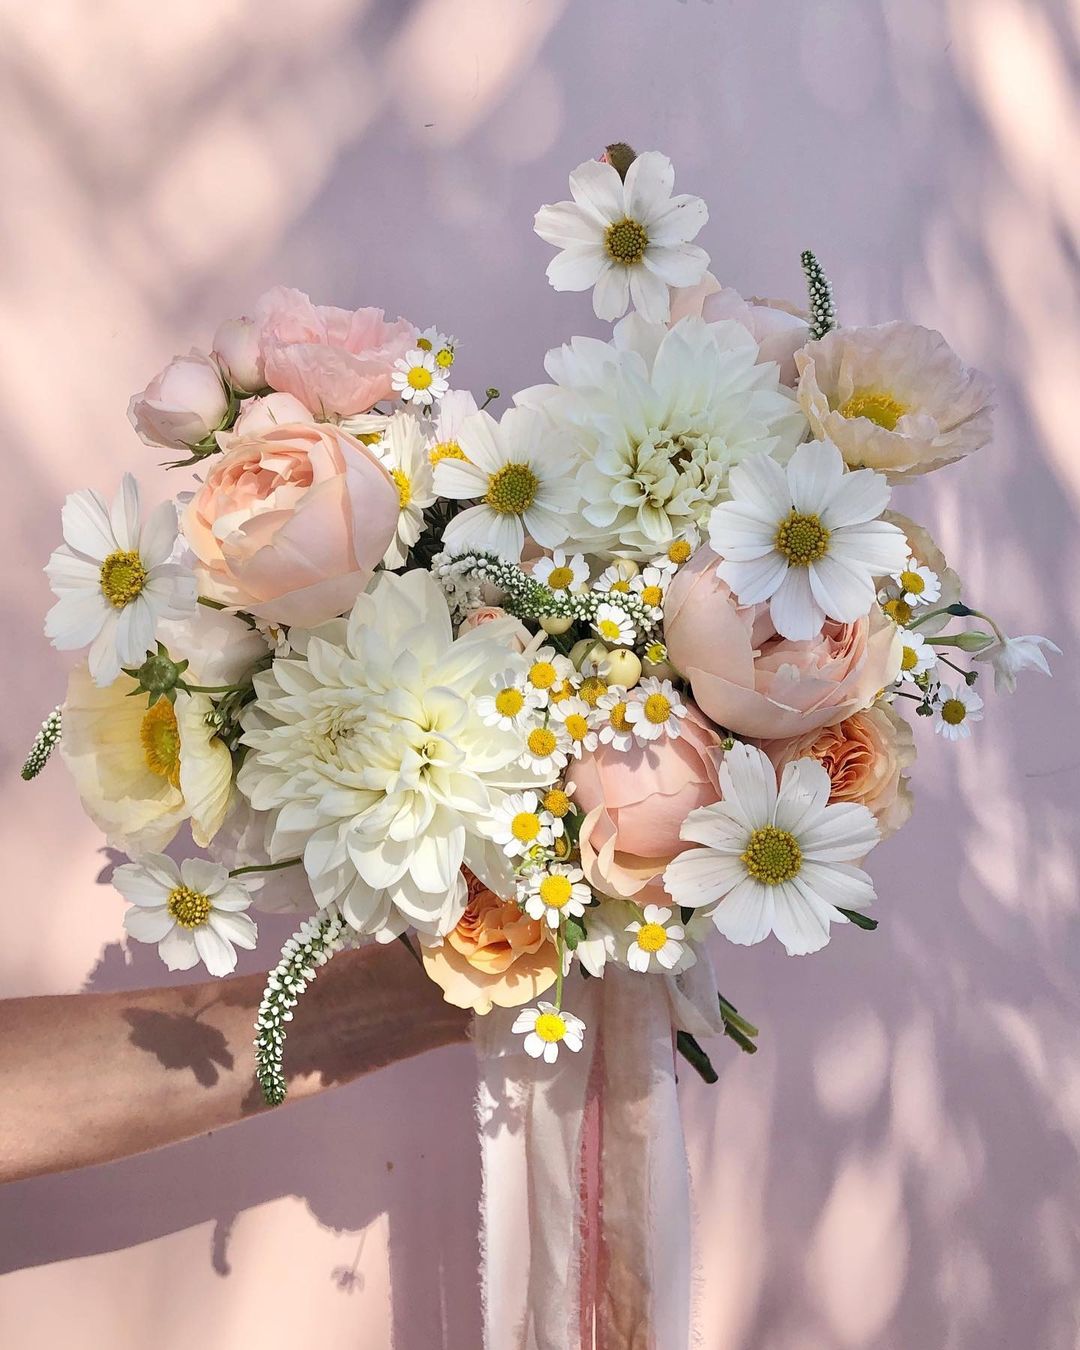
pixel 369 745
pixel 658 417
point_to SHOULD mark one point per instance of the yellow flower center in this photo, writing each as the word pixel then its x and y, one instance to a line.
pixel 446 450
pixel 559 578
pixel 876 406
pixel 651 937
pixel 608 628
pixel 909 659
pixel 557 802
pixel 953 712
pixel 899 611
pixel 525 826
pixel 424 344
pixel 512 489
pixel 419 377
pixel 679 551
pixel 617 717
pixel 444 358
pixel 655 652
pixel 577 727
pixel 541 742
pixel 622 586
pixel 626 241
pixel 542 675
pixel 592 689
pixel 657 708
pixel 801 539
pixel 123 577
pixel 563 847
pixel 404 487
pixel 652 596
pixel 189 908
pixel 772 855
pixel 912 582
pixel 509 702
pixel 160 739
pixel 555 891
pixel 550 1027
pixel 561 692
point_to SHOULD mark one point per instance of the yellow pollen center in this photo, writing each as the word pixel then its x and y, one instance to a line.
pixel 419 377
pixel 550 1027
pixel 559 578
pixel 899 611
pixel 557 802
pixel 189 908
pixel 563 847
pixel 446 450
pixel 525 826
pixel 876 406
pixel 655 652
pixel 651 937
pixel 160 738
pixel 509 702
pixel 592 689
pixel 622 586
pixel 912 583
pixel 444 358
pixel 609 629
pixel 652 596
pixel 617 717
pixel 953 712
pixel 512 489
pixel 772 855
pixel 801 539
pixel 123 577
pixel 657 708
pixel 555 891
pixel 576 726
pixel 909 659
pixel 626 241
pixel 679 551
pixel 542 675
pixel 404 487
pixel 541 742
pixel 424 344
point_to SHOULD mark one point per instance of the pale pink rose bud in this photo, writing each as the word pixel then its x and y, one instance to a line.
pixel 183 405
pixel 263 414
pixel 238 349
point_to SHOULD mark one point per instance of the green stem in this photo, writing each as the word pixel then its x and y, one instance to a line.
pixel 211 604
pixel 265 867
pixel 559 967
pixel 209 688
pixel 952 665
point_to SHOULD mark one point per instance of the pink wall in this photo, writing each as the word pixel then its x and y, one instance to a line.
pixel 898 1167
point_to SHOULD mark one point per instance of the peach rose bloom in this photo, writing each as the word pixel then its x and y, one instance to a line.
pixel 865 756
pixel 291 522
pixel 337 362
pixel 496 955
pixel 755 683
pixel 778 328
pixel 636 801
pixel 518 636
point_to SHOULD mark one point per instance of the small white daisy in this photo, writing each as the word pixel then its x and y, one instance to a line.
pixel 546 748
pixel 614 625
pixel 916 657
pixel 616 578
pixel 114 580
pixel 577 719
pixel 404 455
pixel 650 586
pixel 806 538
pixel 511 705
pixel 417 380
pixel 615 730
pixel 916 584
pixel 194 911
pixel 442 348
pixel 561 573
pixel 559 799
pixel 521 824
pixel 655 709
pixel 545 1028
pixel 955 710
pixel 559 892
pixel 518 483
pixel 679 551
pixel 656 939
pixel 549 670
pixel 626 240
pixel 591 684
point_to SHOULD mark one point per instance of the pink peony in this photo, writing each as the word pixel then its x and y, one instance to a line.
pixel 778 329
pixel 755 683
pixel 182 405
pixel 337 362
pixel 291 522
pixel 635 803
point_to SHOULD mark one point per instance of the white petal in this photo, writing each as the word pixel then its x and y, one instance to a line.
pixel 598 190
pixel 158 535
pixel 566 223
pixel 612 293
pixel 651 296
pixel 677 264
pixel 756 579
pixel 843 592
pixel 748 782
pixel 861 495
pixel 794 611
pixel 763 485
pixel 124 516
pixel 801 921
pixel 215 951
pixel 844 832
pixel 814 473
pixel 238 928
pixel 148 924
pixel 85 518
pixel 838 884
pixel 177 949
pixel 805 788
pixel 877 545
pixel 577 268
pixel 649 183
pixel 745 915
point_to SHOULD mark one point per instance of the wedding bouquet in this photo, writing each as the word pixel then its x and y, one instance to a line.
pixel 552 696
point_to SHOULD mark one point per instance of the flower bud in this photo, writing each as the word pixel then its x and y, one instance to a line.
pixel 551 623
pixel 620 667
pixel 620 156
pixel 183 405
pixel 588 649
pixel 238 349
pixel 974 640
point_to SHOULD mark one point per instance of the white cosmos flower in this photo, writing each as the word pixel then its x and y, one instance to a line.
pixel 1011 656
pixel 556 893
pixel 773 861
pixel 955 710
pixel 521 824
pixel 405 456
pixel 916 655
pixel 416 379
pixel 658 939
pixel 806 538
pixel 520 482
pixel 614 625
pixel 194 911
pixel 655 710
pixel 657 417
pixel 114 579
pixel 545 1028
pixel 454 407
pixel 628 241
pixel 916 584
pixel 369 746
pixel 562 573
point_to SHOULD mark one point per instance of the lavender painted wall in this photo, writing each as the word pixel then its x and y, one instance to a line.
pixel 898 1166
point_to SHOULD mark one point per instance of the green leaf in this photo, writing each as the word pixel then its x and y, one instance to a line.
pixel 574 931
pixel 859 920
